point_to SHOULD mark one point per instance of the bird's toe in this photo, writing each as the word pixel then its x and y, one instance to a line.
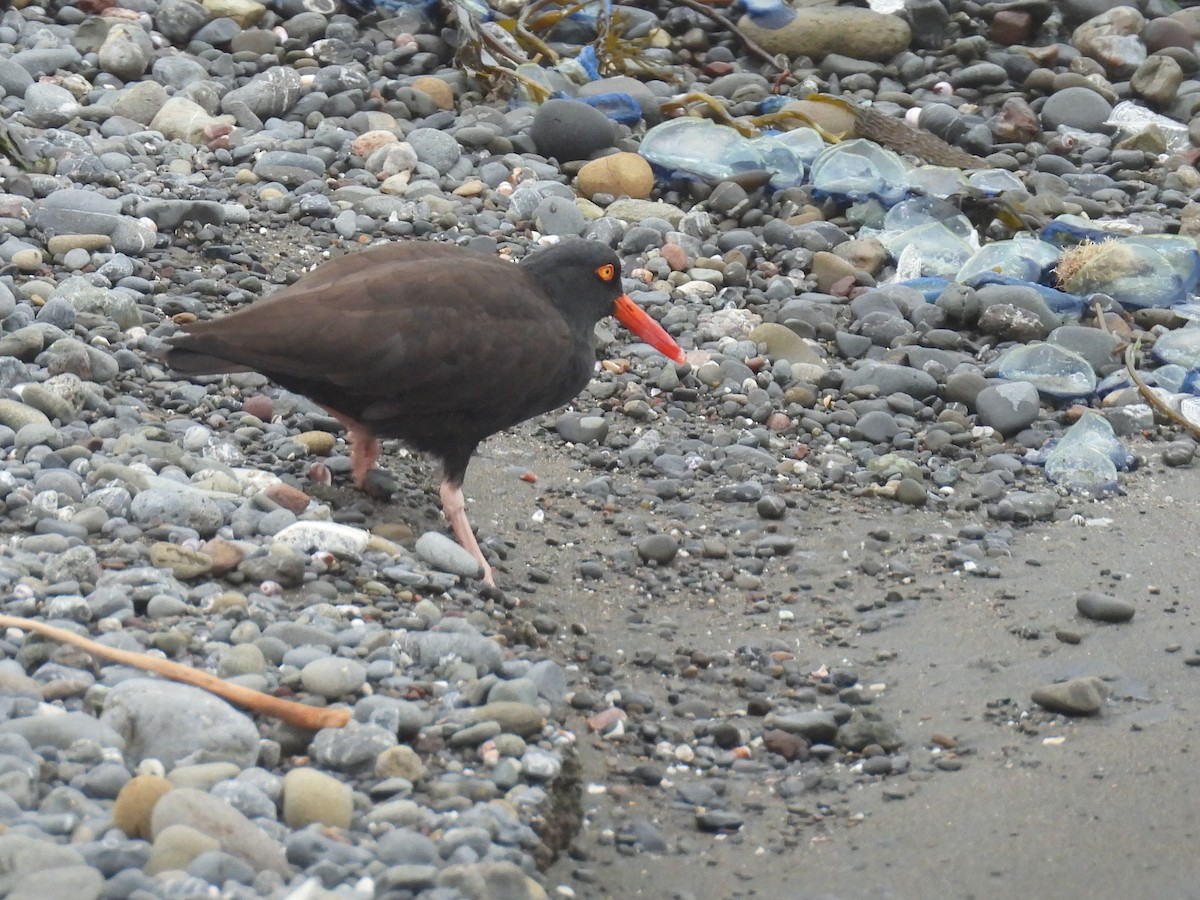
pixel 378 484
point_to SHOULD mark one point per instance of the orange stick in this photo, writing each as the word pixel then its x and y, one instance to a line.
pixel 299 714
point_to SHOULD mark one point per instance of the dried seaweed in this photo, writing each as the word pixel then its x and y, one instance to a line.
pixel 13 148
pixel 898 135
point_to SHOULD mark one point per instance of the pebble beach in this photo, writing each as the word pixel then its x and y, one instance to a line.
pixel 166 161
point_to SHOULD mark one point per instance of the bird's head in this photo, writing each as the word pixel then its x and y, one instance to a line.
pixel 583 278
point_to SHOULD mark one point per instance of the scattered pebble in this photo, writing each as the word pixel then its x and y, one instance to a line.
pixel 1075 697
pixel 1104 607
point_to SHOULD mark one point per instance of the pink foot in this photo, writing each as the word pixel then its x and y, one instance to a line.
pixel 454 507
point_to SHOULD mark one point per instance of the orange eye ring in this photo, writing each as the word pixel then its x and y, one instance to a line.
pixel 607 272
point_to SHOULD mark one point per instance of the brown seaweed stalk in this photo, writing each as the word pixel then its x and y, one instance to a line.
pixel 525 33
pixel 298 714
pixel 715 106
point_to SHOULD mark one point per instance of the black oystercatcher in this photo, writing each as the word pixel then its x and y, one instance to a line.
pixel 429 343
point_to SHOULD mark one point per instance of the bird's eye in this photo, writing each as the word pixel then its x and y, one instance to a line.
pixel 607 272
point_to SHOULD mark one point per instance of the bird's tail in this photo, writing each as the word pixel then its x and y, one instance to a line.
pixel 194 362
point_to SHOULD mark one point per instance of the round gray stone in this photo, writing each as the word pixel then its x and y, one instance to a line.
pixel 1104 607
pixel 1008 407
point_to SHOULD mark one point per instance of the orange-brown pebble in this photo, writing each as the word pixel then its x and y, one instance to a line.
pixel 778 422
pixel 225 556
pixel 290 498
pixel 366 144
pixel 676 257
pixel 437 90
pixel 318 443
pixel 604 720
pixel 621 175
pixel 135 802
pixel 259 406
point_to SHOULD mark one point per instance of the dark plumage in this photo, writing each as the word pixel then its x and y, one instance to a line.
pixel 428 343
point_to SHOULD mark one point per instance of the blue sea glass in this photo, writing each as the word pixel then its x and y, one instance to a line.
pixel 702 148
pixel 805 143
pixel 939 250
pixel 1086 458
pixel 937 181
pixel 1181 347
pixel 786 168
pixel 994 181
pixel 1178 249
pixel 1023 258
pixel 1053 370
pixel 859 169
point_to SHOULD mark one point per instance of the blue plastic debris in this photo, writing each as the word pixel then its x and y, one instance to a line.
pixel 773 104
pixel 769 13
pixel 589 61
pixel 1060 302
pixel 1067 231
pixel 424 6
pixel 617 106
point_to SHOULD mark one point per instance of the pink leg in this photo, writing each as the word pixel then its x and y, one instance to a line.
pixel 454 506
pixel 364 453
pixel 364 447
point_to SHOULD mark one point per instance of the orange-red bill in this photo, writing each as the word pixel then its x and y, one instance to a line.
pixel 639 322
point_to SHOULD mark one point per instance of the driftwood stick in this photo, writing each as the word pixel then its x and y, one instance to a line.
pixel 299 714
pixel 1152 398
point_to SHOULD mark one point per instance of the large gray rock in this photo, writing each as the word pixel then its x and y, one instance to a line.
pixel 213 816
pixel 270 93
pixel 174 723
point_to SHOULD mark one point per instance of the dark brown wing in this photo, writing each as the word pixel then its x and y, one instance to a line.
pixel 403 329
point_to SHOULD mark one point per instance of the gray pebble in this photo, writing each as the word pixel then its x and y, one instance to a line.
pixel 445 555
pixel 1104 607
pixel 333 676
pixel 659 548
pixel 568 130
pixel 581 429
pixel 1076 107
pixel 1076 697
pixel 435 148
pixel 1009 407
